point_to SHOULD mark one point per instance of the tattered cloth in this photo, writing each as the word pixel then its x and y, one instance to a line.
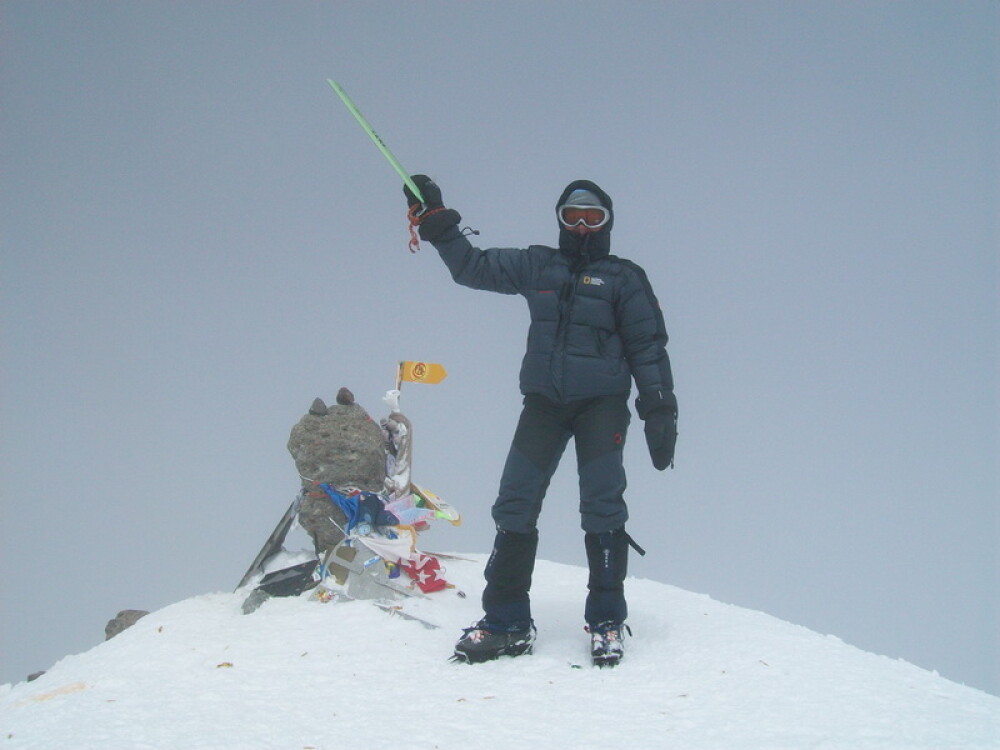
pixel 367 510
pixel 426 572
pixel 361 508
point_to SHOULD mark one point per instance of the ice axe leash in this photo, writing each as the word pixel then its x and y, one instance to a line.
pixel 389 156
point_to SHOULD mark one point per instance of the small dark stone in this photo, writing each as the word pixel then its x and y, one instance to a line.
pixel 123 620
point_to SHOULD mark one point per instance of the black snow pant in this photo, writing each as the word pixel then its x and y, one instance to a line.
pixel 598 426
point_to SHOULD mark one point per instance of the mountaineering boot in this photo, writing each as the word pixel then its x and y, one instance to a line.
pixel 606 610
pixel 485 642
pixel 607 643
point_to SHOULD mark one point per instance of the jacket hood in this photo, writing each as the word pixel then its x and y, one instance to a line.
pixel 595 244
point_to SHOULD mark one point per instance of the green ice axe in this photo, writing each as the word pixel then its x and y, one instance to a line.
pixel 375 139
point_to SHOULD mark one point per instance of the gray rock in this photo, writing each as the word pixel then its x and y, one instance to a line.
pixel 252 603
pixel 322 520
pixel 122 621
pixel 343 447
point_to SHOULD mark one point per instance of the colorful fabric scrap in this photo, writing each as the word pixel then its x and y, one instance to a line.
pixel 426 572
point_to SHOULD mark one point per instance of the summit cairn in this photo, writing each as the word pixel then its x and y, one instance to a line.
pixel 358 505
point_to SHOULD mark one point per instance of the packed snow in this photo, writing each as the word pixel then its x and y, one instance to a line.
pixel 303 674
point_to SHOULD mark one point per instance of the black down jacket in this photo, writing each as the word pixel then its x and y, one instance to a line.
pixel 595 322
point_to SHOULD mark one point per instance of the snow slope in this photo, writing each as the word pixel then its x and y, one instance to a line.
pixel 303 674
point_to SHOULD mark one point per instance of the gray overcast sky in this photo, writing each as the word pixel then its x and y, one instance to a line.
pixel 197 240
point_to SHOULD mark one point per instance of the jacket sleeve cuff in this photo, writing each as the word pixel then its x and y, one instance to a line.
pixel 651 401
pixel 438 223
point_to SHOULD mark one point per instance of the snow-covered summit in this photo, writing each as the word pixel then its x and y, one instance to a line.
pixel 303 674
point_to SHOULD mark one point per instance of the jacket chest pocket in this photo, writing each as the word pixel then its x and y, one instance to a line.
pixel 594 310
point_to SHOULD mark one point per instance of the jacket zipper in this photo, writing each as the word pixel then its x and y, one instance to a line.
pixel 567 298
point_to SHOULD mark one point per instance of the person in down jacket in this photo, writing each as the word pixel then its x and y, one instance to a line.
pixel 595 327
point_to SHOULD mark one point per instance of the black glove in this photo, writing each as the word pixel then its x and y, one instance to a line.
pixel 434 220
pixel 660 415
pixel 428 188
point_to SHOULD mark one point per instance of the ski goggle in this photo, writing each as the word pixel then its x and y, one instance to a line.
pixel 591 217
